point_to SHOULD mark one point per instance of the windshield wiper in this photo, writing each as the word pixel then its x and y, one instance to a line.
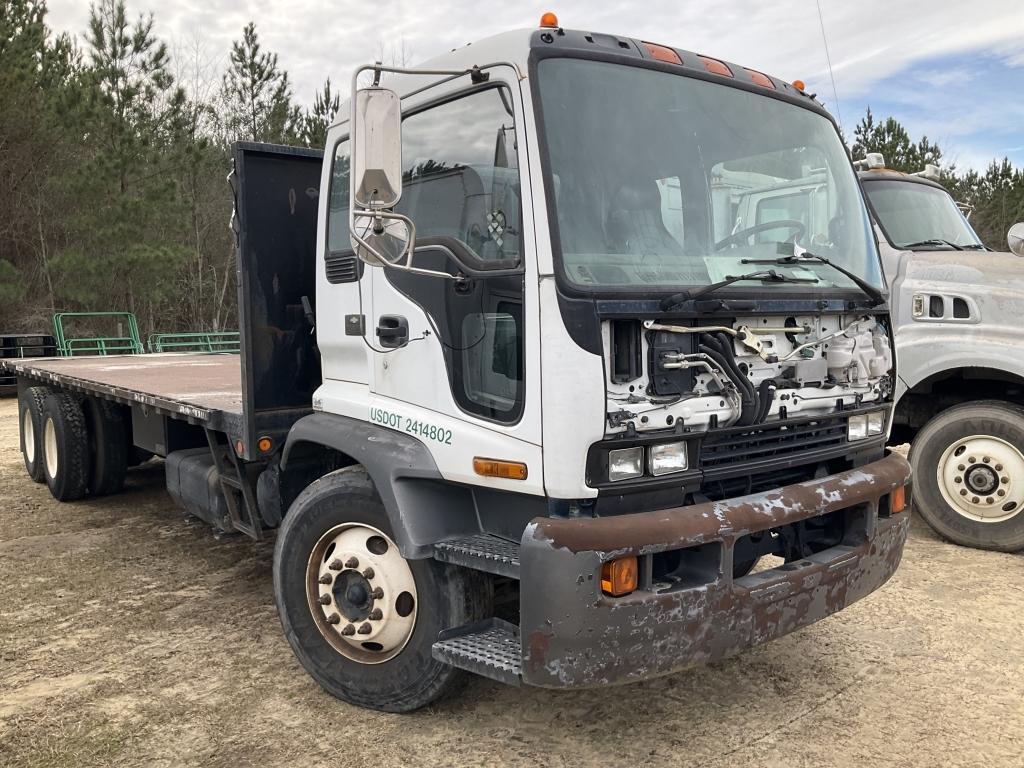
pixel 807 257
pixel 933 241
pixel 765 275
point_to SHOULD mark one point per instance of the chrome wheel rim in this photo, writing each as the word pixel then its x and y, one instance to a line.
pixel 50 448
pixel 28 431
pixel 361 593
pixel 982 478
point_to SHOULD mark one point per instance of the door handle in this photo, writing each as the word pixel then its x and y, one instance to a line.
pixel 392 331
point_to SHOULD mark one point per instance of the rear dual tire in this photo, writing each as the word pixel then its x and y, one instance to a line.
pixel 30 422
pixel 65 447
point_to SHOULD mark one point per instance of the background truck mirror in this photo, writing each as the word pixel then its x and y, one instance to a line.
pixel 1015 238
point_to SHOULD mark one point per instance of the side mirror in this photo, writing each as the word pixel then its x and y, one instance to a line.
pixel 379 235
pixel 1015 238
pixel 377 160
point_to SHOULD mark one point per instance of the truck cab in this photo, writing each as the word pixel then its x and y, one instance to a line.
pixel 956 306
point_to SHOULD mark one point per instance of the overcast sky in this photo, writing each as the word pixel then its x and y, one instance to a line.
pixel 951 69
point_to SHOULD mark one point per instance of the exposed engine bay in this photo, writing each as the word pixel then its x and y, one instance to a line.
pixel 742 372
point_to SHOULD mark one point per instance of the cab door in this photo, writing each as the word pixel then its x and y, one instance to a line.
pixel 465 350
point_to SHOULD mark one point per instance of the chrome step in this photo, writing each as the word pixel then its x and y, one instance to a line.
pixel 481 552
pixel 489 648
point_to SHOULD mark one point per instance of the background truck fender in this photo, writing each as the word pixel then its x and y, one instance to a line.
pixel 421 507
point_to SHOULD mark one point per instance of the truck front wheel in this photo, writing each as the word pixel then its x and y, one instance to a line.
pixel 968 464
pixel 360 617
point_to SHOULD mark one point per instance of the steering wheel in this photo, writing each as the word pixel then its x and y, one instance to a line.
pixel 738 237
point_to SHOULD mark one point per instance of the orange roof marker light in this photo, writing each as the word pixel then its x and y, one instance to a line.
pixel 760 79
pixel 549 20
pixel 799 85
pixel 715 67
pixel 662 53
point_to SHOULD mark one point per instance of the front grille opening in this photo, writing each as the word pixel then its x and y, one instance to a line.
pixel 770 441
pixel 686 568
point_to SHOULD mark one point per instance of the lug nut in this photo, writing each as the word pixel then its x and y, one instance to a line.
pixel 325 599
pixel 961 467
pixel 368 573
pixel 975 499
pixel 963 491
pixel 958 479
pixel 1004 479
pixel 1000 492
pixel 334 619
pixel 351 563
pixel 986 459
pixel 325 579
pixel 336 565
pixel 990 500
pixel 376 614
pixel 349 630
pixel 999 467
pixel 365 629
pixel 377 593
pixel 971 460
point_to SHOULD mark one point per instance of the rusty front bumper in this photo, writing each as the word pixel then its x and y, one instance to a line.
pixel 574 636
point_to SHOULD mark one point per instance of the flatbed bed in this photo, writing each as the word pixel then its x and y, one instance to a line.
pixel 204 389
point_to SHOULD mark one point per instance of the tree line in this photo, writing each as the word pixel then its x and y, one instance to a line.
pixel 113 158
pixel 113 155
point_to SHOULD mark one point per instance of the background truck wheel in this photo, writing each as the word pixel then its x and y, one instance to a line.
pixel 108 451
pixel 360 618
pixel 30 421
pixel 968 467
pixel 65 443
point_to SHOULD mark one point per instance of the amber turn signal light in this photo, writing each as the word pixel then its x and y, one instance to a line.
pixel 619 576
pixel 508 470
pixel 898 500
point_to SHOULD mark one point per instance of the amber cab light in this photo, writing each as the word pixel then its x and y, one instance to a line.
pixel 619 576
pixel 715 67
pixel 898 501
pixel 799 85
pixel 549 20
pixel 507 470
pixel 761 79
pixel 662 53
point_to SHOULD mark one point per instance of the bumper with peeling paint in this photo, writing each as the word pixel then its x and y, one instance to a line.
pixel 574 636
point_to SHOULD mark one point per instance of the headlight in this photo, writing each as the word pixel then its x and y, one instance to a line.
pixel 876 422
pixel 667 458
pixel 857 427
pixel 625 463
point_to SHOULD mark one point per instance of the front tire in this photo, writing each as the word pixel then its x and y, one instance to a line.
pixel 366 638
pixel 968 465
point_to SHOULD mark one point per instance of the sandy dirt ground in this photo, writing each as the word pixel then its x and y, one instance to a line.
pixel 130 636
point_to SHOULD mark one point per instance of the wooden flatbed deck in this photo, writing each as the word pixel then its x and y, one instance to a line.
pixel 200 388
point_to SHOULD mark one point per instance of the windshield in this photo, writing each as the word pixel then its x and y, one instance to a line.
pixel 917 213
pixel 663 181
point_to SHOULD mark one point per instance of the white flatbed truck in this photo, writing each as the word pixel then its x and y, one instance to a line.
pixel 558 400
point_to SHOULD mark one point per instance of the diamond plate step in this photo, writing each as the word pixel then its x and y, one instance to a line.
pixel 489 648
pixel 481 552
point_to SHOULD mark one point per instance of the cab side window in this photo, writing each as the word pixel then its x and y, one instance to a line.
pixel 460 177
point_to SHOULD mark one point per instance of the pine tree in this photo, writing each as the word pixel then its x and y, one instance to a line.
pixel 318 119
pixel 258 94
pixel 893 141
